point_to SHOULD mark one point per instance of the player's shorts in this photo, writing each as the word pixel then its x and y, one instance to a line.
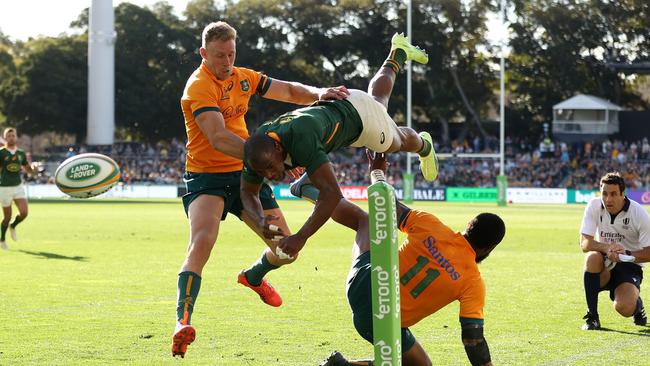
pixel 621 273
pixel 10 193
pixel 379 129
pixel 360 298
pixel 224 185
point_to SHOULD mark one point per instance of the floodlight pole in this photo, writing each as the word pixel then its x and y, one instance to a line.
pixel 408 180
pixel 502 180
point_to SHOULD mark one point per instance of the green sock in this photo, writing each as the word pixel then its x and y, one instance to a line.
pixel 258 270
pixel 3 231
pixel 17 221
pixel 395 60
pixel 426 148
pixel 310 193
pixel 189 284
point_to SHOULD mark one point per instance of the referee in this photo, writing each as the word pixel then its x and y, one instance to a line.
pixel 613 225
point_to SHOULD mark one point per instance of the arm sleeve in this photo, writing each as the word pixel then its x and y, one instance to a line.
pixel 203 97
pixel 644 228
pixel 416 221
pixel 472 300
pixel 590 218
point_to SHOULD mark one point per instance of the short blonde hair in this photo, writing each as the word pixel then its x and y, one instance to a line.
pixel 218 31
pixel 7 130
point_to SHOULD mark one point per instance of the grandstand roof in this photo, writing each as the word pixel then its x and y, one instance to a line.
pixel 586 101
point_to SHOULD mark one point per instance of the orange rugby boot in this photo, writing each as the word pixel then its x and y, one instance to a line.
pixel 265 290
pixel 183 336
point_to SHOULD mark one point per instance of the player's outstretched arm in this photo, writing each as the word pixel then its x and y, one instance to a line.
pixel 377 166
pixel 222 139
pixel 476 346
pixel 297 93
pixel 328 198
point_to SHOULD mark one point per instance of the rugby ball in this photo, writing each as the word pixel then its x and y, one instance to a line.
pixel 87 175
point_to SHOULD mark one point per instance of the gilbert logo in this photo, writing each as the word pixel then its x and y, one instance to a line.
pixel 83 171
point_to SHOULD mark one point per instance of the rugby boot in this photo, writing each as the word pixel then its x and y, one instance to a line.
pixel 429 163
pixel 592 322
pixel 335 359
pixel 13 233
pixel 413 53
pixel 183 336
pixel 266 292
pixel 303 188
pixel 640 317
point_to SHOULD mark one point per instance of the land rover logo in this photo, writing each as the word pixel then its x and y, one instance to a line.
pixel 83 171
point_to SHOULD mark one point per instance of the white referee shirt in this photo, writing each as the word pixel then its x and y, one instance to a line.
pixel 630 227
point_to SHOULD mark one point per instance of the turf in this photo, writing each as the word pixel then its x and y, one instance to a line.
pixel 94 283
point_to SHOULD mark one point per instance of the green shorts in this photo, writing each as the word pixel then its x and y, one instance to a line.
pixel 224 185
pixel 360 299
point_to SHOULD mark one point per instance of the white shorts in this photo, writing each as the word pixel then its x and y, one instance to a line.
pixel 379 129
pixel 10 193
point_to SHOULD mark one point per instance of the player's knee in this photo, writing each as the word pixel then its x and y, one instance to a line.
pixel 6 220
pixel 24 214
pixel 594 262
pixel 625 308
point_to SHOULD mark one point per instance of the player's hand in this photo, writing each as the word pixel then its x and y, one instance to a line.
pixel 335 92
pixel 292 244
pixel 613 252
pixel 376 161
pixel 270 230
pixel 296 172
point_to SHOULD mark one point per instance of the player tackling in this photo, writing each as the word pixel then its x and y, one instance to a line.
pixel 614 228
pixel 438 266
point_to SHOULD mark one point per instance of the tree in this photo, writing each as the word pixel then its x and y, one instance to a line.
pixel 48 91
pixel 562 47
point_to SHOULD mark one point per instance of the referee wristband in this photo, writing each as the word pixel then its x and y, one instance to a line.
pixel 377 175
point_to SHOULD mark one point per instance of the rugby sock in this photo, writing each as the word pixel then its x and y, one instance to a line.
pixel 361 362
pixel 395 60
pixel 592 285
pixel 17 221
pixel 258 270
pixel 189 284
pixel 426 148
pixel 310 193
pixel 3 231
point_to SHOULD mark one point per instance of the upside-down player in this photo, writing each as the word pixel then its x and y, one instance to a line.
pixel 305 136
pixel 433 253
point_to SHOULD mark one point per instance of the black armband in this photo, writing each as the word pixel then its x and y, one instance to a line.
pixel 476 346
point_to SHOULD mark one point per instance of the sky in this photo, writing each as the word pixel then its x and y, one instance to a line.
pixel 21 19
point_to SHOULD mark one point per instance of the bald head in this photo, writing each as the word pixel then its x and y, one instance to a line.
pixel 265 156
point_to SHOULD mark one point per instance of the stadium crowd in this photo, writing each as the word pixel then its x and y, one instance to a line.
pixel 547 164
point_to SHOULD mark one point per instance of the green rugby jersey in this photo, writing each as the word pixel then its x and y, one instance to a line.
pixel 10 167
pixel 309 134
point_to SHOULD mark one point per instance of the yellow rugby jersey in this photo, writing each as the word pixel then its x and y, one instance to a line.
pixel 204 92
pixel 437 267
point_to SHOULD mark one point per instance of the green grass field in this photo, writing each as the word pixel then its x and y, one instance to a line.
pixel 94 283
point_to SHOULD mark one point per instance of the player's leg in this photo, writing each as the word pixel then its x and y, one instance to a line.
pixel 6 219
pixel 626 281
pixel 21 204
pixel 625 299
pixel 204 214
pixel 253 277
pixel 595 277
